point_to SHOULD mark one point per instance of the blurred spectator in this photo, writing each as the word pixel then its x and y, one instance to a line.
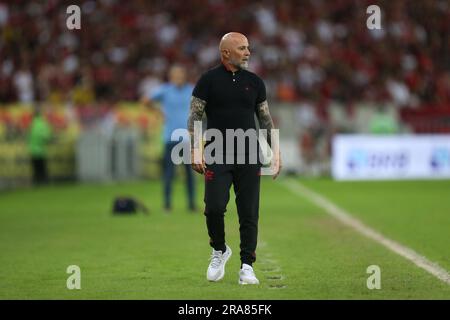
pixel 23 83
pixel 302 48
pixel 38 139
pixel 383 122
pixel 311 135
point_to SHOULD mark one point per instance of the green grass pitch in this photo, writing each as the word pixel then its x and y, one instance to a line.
pixel 303 252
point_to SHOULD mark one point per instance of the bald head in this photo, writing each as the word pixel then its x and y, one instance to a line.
pixel 230 39
pixel 234 50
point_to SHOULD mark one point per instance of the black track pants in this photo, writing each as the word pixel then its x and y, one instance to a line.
pixel 246 182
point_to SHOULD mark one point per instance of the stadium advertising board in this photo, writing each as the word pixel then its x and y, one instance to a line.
pixel 366 157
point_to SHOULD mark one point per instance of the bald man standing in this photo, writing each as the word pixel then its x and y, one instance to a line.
pixel 231 96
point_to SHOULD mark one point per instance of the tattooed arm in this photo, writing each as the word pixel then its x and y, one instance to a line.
pixel 265 119
pixel 196 114
pixel 265 122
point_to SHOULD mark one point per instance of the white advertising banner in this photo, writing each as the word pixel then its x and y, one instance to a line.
pixel 369 157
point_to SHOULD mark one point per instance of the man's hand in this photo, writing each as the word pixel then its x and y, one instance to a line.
pixel 276 165
pixel 197 166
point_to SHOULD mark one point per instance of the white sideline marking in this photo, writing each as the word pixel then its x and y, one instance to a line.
pixel 345 217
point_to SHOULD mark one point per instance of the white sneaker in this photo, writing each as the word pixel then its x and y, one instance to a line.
pixel 247 275
pixel 216 269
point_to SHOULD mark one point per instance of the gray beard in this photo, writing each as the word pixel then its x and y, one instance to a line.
pixel 243 65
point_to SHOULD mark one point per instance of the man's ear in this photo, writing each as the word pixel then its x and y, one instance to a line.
pixel 226 53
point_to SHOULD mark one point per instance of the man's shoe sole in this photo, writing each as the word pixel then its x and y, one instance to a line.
pixel 245 283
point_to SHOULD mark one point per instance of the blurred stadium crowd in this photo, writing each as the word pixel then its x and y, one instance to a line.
pixel 318 50
pixel 325 71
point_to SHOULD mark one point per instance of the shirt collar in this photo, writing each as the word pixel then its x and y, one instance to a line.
pixel 228 70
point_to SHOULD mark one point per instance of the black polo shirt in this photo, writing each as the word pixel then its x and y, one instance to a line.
pixel 231 98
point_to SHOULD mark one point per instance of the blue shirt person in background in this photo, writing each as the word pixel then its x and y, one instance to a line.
pixel 174 98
